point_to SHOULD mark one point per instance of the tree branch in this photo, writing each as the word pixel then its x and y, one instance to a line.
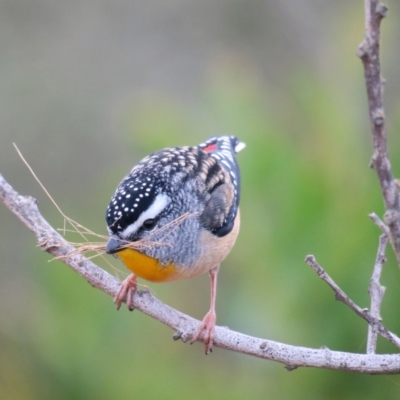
pixel 368 51
pixel 25 208
pixel 340 295
pixel 380 224
pixel 376 291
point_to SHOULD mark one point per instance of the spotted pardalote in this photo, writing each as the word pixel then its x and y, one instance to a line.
pixel 176 215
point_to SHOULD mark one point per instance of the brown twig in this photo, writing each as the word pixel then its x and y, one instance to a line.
pixel 368 51
pixel 376 291
pixel 25 208
pixel 342 296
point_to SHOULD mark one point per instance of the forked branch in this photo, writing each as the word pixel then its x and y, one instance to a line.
pixel 372 319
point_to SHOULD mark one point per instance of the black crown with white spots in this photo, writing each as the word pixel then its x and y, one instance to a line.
pixel 166 170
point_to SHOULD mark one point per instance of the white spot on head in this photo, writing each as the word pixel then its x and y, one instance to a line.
pixel 159 204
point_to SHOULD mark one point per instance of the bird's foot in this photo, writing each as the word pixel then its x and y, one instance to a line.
pixel 206 331
pixel 126 292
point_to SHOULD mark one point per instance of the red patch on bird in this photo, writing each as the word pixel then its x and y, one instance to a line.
pixel 210 147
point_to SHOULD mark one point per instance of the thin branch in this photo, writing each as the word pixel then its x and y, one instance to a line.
pixel 342 296
pixel 25 208
pixel 376 291
pixel 380 224
pixel 368 51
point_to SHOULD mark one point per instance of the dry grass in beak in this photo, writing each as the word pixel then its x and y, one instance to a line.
pixel 147 242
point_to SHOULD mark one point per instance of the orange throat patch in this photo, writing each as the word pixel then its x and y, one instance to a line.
pixel 147 267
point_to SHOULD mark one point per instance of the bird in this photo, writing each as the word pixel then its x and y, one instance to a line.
pixel 175 215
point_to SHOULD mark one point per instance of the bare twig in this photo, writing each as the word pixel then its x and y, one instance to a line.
pixel 380 224
pixel 368 51
pixel 341 296
pixel 376 291
pixel 25 208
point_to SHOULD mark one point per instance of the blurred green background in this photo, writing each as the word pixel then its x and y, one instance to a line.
pixel 88 88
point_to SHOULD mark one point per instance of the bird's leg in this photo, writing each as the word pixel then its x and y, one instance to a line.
pixel 208 325
pixel 126 292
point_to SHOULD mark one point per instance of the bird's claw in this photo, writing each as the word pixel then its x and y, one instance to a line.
pixel 206 331
pixel 126 291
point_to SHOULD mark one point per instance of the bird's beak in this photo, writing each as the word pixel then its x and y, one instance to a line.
pixel 114 244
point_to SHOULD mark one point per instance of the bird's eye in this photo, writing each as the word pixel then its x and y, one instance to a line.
pixel 149 224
